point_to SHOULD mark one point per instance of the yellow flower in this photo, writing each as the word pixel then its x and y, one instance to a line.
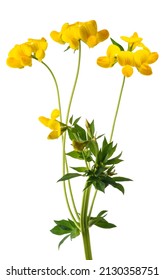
pixel 38 47
pixel 21 55
pixel 142 59
pixel 84 31
pixel 53 124
pixel 89 34
pixel 133 41
pixel 111 58
pixel 129 59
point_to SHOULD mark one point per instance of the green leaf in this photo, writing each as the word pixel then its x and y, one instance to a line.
pixel 65 224
pixel 74 233
pixel 99 185
pixel 104 223
pixel 62 241
pixel 69 176
pixel 80 169
pixel 76 154
pixel 110 181
pixel 71 120
pixel 93 146
pixel 81 132
pixel 92 128
pixel 76 121
pixel 101 213
pixel 119 187
pixel 114 160
pixel 117 44
pixel 72 134
pixel 94 220
pixel 60 230
pixel 121 179
pixel 100 221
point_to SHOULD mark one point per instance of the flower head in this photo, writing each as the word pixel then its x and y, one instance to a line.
pixel 84 31
pixel 131 58
pixel 21 55
pixel 57 127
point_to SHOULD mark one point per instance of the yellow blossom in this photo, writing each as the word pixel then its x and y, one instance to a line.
pixel 84 31
pixel 111 58
pixel 21 55
pixel 142 59
pixel 38 47
pixel 129 59
pixel 133 41
pixel 53 124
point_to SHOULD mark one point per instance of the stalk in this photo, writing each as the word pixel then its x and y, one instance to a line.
pixel 84 224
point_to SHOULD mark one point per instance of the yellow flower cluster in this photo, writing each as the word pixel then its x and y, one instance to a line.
pixel 140 58
pixel 84 31
pixel 21 55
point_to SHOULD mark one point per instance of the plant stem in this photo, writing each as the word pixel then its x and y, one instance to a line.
pixel 56 84
pixel 65 165
pixel 74 85
pixel 92 204
pixel 117 109
pixel 84 224
pixel 64 184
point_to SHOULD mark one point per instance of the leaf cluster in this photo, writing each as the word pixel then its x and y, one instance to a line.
pixel 69 229
pixel 99 162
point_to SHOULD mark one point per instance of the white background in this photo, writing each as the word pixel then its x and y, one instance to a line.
pixel 30 199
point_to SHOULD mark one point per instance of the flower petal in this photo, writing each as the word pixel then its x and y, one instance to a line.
pixel 127 71
pixel 55 114
pixel 54 134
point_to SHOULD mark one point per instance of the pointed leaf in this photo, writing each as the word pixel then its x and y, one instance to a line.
pixel 102 213
pixel 117 44
pixel 110 181
pixel 60 231
pixel 93 146
pixel 121 179
pixel 76 121
pixel 69 176
pixel 80 169
pixel 62 241
pixel 114 160
pixel 104 224
pixel 71 119
pixel 81 132
pixel 75 154
pixel 119 187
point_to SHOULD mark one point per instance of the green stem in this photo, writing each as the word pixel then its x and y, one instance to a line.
pixel 65 165
pixel 64 184
pixel 71 195
pixel 117 109
pixel 92 204
pixel 74 85
pixel 84 224
pixel 56 84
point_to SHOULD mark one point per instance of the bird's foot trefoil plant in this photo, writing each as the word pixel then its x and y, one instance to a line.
pixel 95 156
